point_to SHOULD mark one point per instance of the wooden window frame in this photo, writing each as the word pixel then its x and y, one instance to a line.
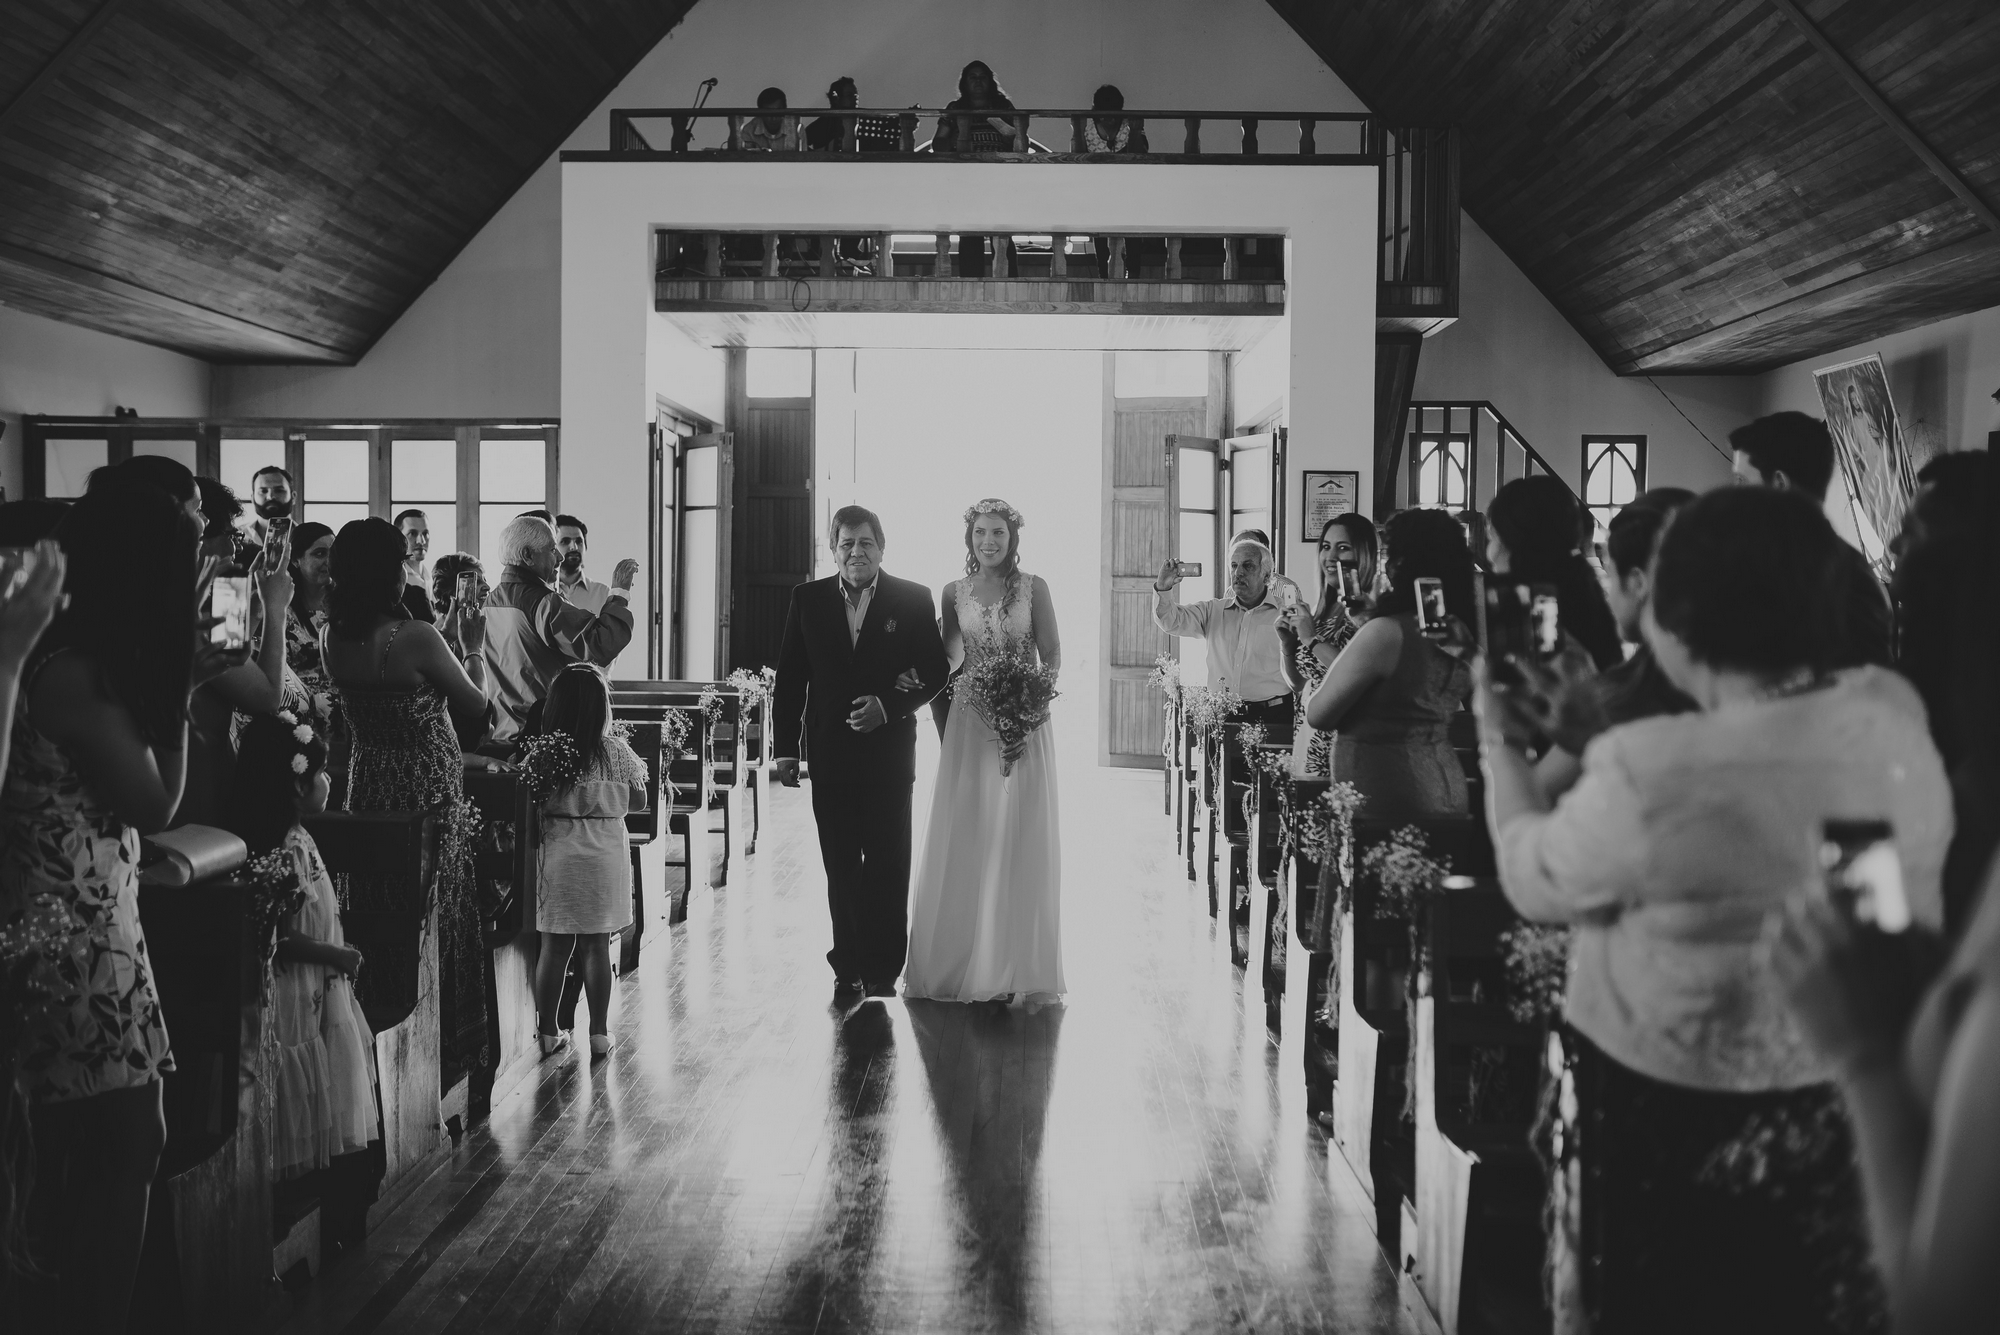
pixel 1614 444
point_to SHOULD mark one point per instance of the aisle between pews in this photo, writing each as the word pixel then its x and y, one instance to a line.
pixel 751 1157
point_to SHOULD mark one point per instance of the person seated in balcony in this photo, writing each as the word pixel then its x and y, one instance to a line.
pixel 1110 133
pixel 872 134
pixel 771 133
pixel 978 91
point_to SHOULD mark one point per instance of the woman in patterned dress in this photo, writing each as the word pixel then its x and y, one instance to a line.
pixel 1314 639
pixel 399 682
pixel 99 758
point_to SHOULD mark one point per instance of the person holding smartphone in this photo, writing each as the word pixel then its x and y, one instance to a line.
pixel 1313 639
pixel 1390 695
pixel 1710 1140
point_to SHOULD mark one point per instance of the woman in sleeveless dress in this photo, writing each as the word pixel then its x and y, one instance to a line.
pixel 984 913
pixel 399 684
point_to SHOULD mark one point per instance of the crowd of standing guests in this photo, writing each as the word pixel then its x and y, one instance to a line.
pixel 124 712
pixel 1783 1104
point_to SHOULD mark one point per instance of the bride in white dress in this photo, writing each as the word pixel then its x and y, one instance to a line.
pixel 984 922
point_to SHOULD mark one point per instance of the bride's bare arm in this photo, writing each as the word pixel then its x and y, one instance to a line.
pixel 954 639
pixel 1047 640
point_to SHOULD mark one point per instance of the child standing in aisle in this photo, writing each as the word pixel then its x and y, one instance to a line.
pixel 588 779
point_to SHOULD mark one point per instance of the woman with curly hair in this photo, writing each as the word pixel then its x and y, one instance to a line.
pixel 400 683
pixel 1391 694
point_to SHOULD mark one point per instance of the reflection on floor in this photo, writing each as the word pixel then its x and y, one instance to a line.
pixel 752 1157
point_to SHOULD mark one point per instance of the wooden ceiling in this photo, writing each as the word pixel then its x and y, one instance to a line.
pixel 277 180
pixel 1707 185
pixel 1699 185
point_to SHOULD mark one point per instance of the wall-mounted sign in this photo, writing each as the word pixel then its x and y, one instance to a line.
pixel 1328 494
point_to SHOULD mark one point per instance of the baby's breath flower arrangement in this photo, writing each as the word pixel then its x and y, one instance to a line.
pixel 1012 693
pixel 1166 677
pixel 1537 962
pixel 549 763
pixel 1404 871
pixel 1208 707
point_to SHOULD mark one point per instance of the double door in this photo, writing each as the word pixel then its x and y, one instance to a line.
pixel 1217 489
pixel 693 484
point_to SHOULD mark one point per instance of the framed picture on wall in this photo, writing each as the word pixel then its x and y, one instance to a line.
pixel 1335 492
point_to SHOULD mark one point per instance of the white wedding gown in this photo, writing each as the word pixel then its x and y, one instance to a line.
pixel 984 915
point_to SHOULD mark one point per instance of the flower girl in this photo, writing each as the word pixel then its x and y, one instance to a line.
pixel 326 1056
pixel 587 779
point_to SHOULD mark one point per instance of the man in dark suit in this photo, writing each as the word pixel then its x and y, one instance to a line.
pixel 847 640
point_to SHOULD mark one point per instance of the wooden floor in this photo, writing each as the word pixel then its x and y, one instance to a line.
pixel 754 1158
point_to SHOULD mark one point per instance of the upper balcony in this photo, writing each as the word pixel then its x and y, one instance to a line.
pixel 1051 271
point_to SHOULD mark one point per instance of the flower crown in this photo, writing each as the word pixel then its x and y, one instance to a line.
pixel 992 506
pixel 302 735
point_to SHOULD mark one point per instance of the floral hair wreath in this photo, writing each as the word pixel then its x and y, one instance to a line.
pixel 994 505
pixel 302 735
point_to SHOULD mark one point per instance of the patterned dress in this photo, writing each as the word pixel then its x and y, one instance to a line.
pixel 308 690
pixel 407 758
pixel 69 865
pixel 1334 628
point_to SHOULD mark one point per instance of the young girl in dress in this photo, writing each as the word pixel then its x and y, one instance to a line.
pixel 584 891
pixel 326 1055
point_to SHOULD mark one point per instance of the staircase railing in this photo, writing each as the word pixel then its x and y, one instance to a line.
pixel 1459 452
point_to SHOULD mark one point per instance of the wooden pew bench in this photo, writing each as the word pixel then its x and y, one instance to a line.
pixel 1477 1253
pixel 1370 1089
pixel 506 857
pixel 683 811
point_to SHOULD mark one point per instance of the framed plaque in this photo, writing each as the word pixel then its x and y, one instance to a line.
pixel 1327 494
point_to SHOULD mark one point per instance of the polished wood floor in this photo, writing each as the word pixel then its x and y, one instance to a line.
pixel 753 1158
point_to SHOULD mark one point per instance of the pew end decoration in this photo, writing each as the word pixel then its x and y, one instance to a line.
pixel 1209 707
pixel 277 892
pixel 1536 958
pixel 754 685
pixel 1013 694
pixel 1405 872
pixel 549 763
pixel 1166 677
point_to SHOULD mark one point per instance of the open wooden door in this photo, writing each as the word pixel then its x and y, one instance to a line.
pixel 1196 508
pixel 1255 471
pixel 703 507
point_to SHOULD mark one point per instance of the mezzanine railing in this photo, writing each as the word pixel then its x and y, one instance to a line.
pixel 1462 451
pixel 684 256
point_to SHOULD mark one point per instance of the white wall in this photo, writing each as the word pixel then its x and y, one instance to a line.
pixel 1942 377
pixel 611 209
pixel 54 368
pixel 1512 347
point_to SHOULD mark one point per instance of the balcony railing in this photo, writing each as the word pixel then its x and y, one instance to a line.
pixel 886 255
pixel 893 132
pixel 1463 451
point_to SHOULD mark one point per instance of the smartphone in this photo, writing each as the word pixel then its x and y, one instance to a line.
pixel 16 564
pixel 229 598
pixel 1189 569
pixel 1863 874
pixel 278 543
pixel 468 588
pixel 1288 595
pixel 1544 617
pixel 1431 612
pixel 1350 581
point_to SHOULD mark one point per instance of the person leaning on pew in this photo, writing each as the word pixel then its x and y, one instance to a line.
pixel 1720 1180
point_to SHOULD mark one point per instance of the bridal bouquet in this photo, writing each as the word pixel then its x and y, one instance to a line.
pixel 1012 693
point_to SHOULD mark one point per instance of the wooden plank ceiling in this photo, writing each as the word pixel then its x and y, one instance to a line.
pixel 277 180
pixel 1700 185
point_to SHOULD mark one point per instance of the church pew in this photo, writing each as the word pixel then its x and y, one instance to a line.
pixel 208 1246
pixel 1269 906
pixel 644 705
pixel 1477 1255
pixel 402 1007
pixel 1374 962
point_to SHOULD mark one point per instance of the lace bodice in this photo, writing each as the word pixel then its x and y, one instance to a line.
pixel 1006 627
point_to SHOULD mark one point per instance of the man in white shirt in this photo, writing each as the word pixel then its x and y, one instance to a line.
pixel 1244 652
pixel 415 527
pixel 572 541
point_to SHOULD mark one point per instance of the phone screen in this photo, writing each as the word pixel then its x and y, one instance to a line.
pixel 1544 614
pixel 229 598
pixel 1430 604
pixel 1190 569
pixel 1504 623
pixel 468 588
pixel 1350 581
pixel 1863 874
pixel 278 543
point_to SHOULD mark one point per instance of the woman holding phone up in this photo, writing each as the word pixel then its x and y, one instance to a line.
pixel 1313 639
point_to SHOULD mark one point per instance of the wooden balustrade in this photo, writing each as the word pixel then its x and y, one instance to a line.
pixel 626 138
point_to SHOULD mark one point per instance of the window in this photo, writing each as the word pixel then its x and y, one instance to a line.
pixel 513 476
pixel 70 463
pixel 423 475
pixel 333 482
pixel 241 460
pixel 1614 473
pixel 1440 471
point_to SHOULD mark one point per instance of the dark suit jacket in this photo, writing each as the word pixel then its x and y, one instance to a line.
pixel 820 673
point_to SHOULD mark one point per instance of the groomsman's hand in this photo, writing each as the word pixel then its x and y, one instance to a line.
pixel 868 714
pixel 787 768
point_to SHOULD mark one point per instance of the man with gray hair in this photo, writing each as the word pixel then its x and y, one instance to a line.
pixel 532 633
pixel 1244 652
